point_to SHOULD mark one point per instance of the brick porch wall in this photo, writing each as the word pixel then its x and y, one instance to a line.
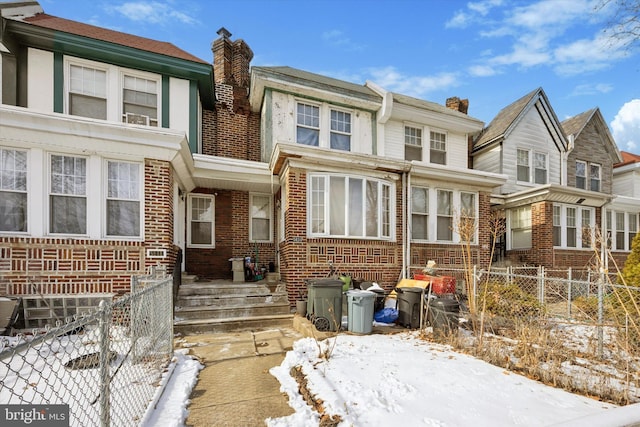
pixel 66 266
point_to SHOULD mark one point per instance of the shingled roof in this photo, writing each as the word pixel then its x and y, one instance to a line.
pixel 627 159
pixel 575 124
pixel 504 120
pixel 85 30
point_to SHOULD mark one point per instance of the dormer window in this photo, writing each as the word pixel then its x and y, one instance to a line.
pixel 139 101
pixel 87 92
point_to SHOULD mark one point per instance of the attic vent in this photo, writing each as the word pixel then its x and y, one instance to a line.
pixel 156 253
pixel 137 119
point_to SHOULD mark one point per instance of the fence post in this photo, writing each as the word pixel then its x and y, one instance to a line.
pixel 541 281
pixel 105 407
pixel 569 293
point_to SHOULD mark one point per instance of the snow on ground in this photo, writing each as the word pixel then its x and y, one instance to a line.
pixel 381 380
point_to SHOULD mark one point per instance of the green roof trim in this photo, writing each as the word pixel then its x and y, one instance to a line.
pixel 112 53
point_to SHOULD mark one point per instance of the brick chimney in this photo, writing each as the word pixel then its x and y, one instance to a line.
pixel 231 60
pixel 457 104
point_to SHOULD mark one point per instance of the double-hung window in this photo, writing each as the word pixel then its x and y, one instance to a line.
pixel 540 168
pixel 445 215
pixel 308 124
pixel 419 213
pixel 633 228
pixel 349 206
pixel 123 199
pixel 594 177
pixel 581 174
pixel 572 226
pixel 68 195
pixel 520 225
pixel 620 228
pixel 13 190
pixel 412 143
pixel 340 138
pixel 200 232
pixel 623 227
pixel 438 148
pixel 87 92
pixel 468 216
pixel 260 227
pixel 139 101
pixel 523 165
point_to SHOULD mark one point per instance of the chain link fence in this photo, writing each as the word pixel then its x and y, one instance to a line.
pixel 105 364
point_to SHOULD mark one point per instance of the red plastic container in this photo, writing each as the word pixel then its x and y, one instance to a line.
pixel 439 284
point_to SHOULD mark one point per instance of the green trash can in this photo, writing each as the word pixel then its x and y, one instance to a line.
pixel 324 304
pixel 361 304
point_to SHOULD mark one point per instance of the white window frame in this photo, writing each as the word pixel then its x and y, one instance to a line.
pixel 252 215
pixel 433 213
pixel 51 194
pixel 473 216
pixel 593 178
pixel 74 62
pixel 320 197
pixel 564 225
pixel 136 118
pixel 347 127
pixel 135 194
pixel 583 176
pixel 437 146
pixel 519 221
pixel 622 232
pixel 531 166
pixel 324 129
pixel 9 185
pixel 413 142
pixel 520 164
pixel 535 168
pixel 420 214
pixel 190 219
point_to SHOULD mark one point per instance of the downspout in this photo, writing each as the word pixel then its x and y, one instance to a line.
pixel 405 241
pixel 564 159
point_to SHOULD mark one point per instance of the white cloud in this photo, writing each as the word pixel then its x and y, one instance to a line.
pixel 588 54
pixel 591 89
pixel 459 20
pixel 418 86
pixel 483 71
pixel 338 38
pixel 626 126
pixel 462 19
pixel 153 12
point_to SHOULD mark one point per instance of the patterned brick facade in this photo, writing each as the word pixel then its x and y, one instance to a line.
pixel 33 266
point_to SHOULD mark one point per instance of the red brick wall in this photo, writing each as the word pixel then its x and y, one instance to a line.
pixel 53 265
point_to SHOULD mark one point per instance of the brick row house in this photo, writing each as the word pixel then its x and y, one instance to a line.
pixel 118 153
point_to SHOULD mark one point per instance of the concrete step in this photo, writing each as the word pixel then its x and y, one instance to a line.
pixel 232 324
pixel 230 300
pixel 207 288
pixel 245 311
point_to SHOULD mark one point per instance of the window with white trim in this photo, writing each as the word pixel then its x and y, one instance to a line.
pixel 139 101
pixel 201 230
pixel 523 165
pixel 540 173
pixel 594 177
pixel 68 195
pixel 438 148
pixel 340 136
pixel 434 213
pixel 412 143
pixel 581 174
pixel 532 166
pixel 13 190
pixel 419 213
pixel 573 227
pixel 520 227
pixel 468 213
pixel 307 124
pixel 87 92
pixel 624 225
pixel 260 217
pixel 349 206
pixel 124 188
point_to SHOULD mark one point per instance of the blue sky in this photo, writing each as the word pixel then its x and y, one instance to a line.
pixel 489 51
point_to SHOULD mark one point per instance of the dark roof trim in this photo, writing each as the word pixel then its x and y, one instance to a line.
pixel 98 50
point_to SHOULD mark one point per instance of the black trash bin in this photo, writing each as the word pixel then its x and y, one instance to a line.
pixel 324 304
pixel 378 304
pixel 408 305
pixel 443 316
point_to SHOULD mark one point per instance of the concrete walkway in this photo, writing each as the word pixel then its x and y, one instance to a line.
pixel 235 387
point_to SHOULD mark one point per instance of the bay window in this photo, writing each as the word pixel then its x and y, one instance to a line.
pixel 123 199
pixel 433 214
pixel 68 195
pixel 200 232
pixel 573 227
pixel 349 206
pixel 13 190
pixel 260 217
pixel 623 227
